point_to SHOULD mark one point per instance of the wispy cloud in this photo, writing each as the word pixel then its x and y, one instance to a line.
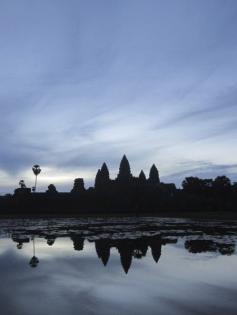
pixel 85 83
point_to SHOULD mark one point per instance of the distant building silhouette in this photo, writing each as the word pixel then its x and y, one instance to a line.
pixel 142 178
pixel 154 178
pixel 126 193
pixel 105 173
pixel 102 177
pixel 78 186
pixel 98 181
pixel 78 242
pixel 124 175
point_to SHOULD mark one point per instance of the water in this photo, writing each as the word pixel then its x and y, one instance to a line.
pixel 117 266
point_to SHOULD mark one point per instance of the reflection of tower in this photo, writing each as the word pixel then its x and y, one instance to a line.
pixel 125 251
pixel 140 248
pixel 34 260
pixel 78 242
pixel 102 248
pixel 78 186
pixel 155 245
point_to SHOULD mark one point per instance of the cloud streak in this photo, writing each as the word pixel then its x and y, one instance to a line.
pixel 84 83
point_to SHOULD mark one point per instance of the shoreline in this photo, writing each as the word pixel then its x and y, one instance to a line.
pixel 219 215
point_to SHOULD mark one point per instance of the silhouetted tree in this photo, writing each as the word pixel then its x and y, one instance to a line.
pixel 34 260
pixel 221 184
pixel 19 245
pixel 226 249
pixel 154 178
pixel 36 170
pixel 200 246
pixel 196 185
pixel 51 189
pixel 234 187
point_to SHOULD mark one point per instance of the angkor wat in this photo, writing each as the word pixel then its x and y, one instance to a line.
pixel 124 194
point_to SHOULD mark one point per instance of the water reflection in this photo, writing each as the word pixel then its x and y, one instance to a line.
pixel 131 238
pixel 202 246
pixel 117 266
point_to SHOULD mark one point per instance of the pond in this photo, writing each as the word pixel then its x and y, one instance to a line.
pixel 117 265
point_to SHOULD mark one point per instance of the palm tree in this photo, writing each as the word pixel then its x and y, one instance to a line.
pixel 36 170
pixel 34 260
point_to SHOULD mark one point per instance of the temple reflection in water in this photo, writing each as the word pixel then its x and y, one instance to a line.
pixel 131 240
pixel 128 249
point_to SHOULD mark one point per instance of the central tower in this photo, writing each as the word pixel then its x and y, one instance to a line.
pixel 124 174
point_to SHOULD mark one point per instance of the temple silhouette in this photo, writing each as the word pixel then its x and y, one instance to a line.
pixel 124 194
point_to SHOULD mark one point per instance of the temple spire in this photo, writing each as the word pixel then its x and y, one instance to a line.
pixel 142 177
pixel 104 173
pixel 124 170
pixel 102 177
pixel 154 178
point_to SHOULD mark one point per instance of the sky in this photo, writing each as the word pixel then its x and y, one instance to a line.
pixel 83 82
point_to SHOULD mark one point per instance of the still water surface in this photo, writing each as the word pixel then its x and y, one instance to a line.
pixel 117 266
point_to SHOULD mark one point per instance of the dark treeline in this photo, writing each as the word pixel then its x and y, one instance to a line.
pixel 126 194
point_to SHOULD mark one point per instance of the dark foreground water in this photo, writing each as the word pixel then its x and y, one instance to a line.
pixel 118 266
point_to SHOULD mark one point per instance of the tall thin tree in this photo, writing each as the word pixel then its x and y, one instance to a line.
pixel 34 260
pixel 36 170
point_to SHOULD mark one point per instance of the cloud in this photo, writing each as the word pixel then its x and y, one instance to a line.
pixel 86 83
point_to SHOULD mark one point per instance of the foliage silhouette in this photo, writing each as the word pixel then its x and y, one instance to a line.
pixel 51 189
pixel 36 170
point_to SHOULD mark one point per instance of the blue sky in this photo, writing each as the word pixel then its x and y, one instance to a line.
pixel 83 82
